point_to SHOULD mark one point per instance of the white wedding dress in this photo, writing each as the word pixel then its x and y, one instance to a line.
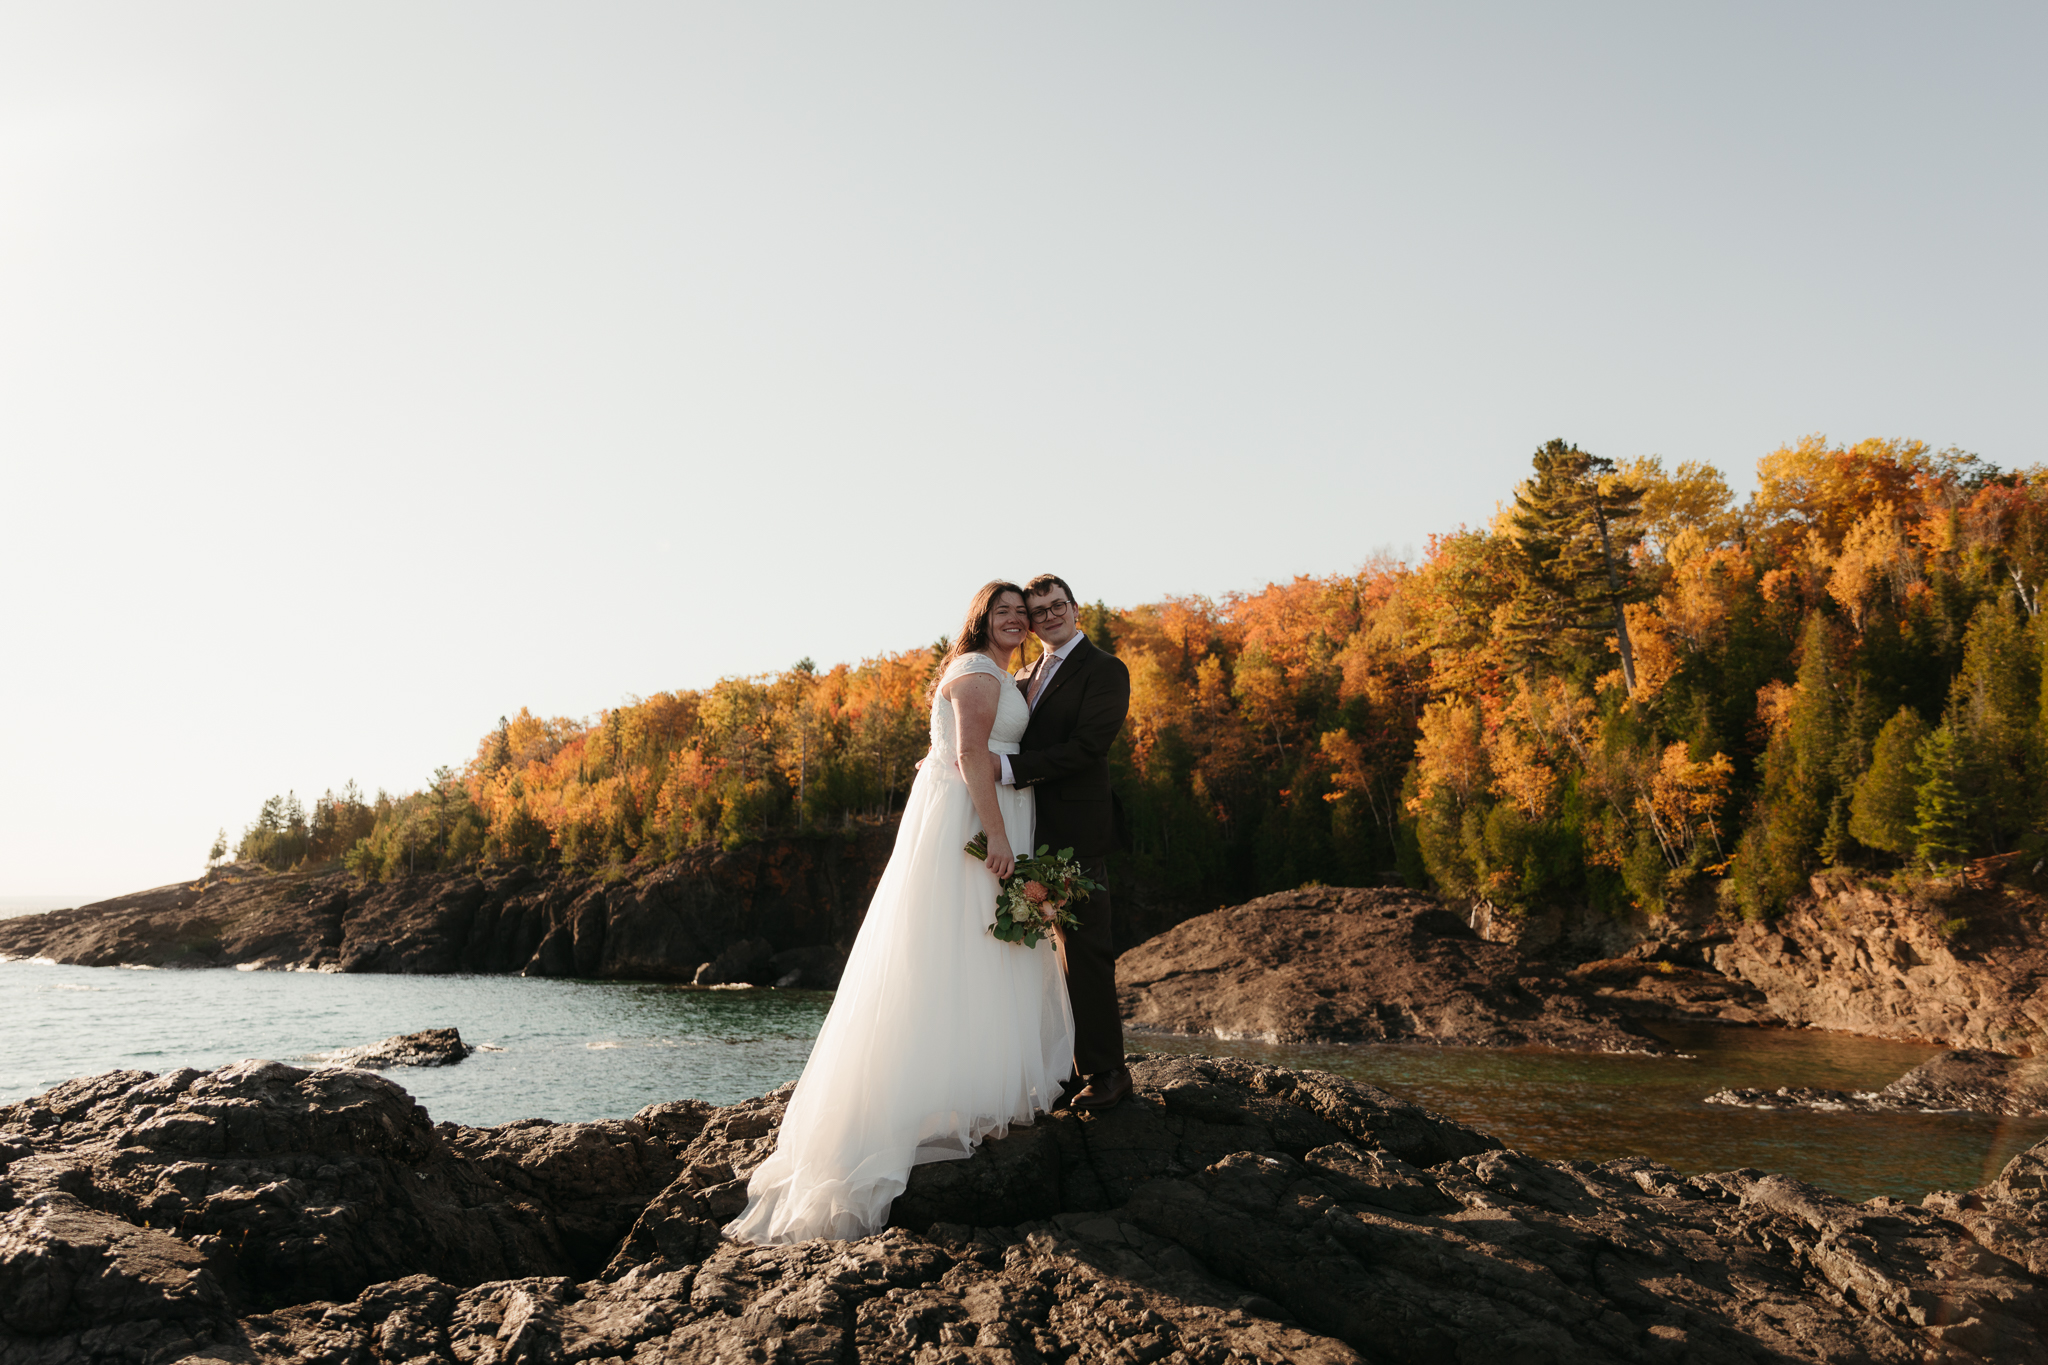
pixel 940 1034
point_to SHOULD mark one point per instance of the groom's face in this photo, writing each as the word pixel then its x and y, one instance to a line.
pixel 1053 618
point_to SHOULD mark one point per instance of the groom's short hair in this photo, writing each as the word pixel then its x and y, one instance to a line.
pixel 1045 583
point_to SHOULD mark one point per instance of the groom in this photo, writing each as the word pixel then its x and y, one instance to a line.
pixel 1078 695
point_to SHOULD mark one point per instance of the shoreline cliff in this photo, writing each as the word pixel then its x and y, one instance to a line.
pixel 1959 965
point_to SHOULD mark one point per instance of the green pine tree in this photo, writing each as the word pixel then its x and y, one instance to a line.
pixel 1802 778
pixel 1993 698
pixel 1882 810
pixel 1575 574
pixel 1941 826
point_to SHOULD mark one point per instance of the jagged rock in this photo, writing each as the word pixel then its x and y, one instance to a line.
pixel 1987 1082
pixel 1330 964
pixel 1795 1097
pixel 428 1047
pixel 1228 1212
pixel 2016 1087
pixel 313 1184
pixel 793 893
pixel 67 1267
pixel 1968 972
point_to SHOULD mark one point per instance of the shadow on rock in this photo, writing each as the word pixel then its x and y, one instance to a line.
pixel 1229 1212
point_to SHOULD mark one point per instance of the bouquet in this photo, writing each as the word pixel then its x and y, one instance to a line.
pixel 1032 901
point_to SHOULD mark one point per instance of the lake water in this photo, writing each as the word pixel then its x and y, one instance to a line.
pixel 600 1049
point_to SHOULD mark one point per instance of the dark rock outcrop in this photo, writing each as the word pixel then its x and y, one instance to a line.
pixel 293 1184
pixel 1229 1212
pixel 428 1047
pixel 791 895
pixel 1987 1082
pixel 1328 964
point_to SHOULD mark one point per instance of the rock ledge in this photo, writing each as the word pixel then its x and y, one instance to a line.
pixel 1230 1213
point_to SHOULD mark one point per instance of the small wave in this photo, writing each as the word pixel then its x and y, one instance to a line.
pixel 487 1047
pixel 600 1047
pixel 72 986
pixel 135 966
pixel 43 961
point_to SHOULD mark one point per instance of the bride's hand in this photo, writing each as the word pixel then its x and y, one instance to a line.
pixel 1001 860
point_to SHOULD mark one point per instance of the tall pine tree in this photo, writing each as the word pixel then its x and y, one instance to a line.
pixel 1576 578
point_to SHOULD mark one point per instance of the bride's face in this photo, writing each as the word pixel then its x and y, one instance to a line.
pixel 1008 622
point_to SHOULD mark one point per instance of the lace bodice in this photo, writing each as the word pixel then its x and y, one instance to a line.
pixel 1013 713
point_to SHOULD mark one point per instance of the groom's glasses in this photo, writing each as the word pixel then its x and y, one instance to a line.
pixel 1049 610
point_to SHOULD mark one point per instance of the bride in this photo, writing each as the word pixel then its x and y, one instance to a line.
pixel 940 1034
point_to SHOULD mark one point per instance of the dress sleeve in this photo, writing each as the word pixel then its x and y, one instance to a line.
pixel 973 663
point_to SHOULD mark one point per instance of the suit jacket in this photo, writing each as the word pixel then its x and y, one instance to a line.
pixel 1065 756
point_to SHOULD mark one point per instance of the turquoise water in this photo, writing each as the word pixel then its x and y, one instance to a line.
pixel 572 1050
pixel 576 1050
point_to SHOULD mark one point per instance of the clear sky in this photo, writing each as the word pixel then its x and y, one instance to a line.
pixel 368 371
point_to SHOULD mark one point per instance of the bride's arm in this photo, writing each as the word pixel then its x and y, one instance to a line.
pixel 975 697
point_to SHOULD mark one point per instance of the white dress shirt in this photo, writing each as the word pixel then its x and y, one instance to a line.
pixel 1050 665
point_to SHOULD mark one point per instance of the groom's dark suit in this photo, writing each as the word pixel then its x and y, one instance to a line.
pixel 1065 760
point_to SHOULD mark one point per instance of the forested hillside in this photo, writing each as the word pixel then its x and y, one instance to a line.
pixel 1626 683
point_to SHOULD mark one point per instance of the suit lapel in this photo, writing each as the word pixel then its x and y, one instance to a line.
pixel 1066 670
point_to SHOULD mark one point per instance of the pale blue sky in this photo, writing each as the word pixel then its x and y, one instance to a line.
pixel 367 371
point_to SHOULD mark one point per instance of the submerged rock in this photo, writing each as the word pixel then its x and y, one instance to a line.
pixel 1330 964
pixel 1228 1212
pixel 428 1047
pixel 1986 1082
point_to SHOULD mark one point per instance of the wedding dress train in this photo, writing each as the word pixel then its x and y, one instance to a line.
pixel 940 1035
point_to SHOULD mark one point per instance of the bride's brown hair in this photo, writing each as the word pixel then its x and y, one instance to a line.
pixel 974 631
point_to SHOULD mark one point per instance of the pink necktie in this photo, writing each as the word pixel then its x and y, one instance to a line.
pixel 1044 676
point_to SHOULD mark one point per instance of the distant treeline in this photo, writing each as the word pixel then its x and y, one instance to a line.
pixel 1625 683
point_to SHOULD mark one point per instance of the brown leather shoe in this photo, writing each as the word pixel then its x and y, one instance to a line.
pixel 1105 1090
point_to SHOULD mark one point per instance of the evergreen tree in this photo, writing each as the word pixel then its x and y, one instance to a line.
pixel 1575 577
pixel 1095 625
pixel 1882 810
pixel 1801 781
pixel 1997 734
pixel 1859 728
pixel 1941 828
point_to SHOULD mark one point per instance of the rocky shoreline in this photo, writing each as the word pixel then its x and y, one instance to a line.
pixel 1975 1081
pixel 752 915
pixel 1963 966
pixel 1347 965
pixel 1231 1212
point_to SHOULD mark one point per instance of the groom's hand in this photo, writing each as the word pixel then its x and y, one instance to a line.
pixel 995 767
